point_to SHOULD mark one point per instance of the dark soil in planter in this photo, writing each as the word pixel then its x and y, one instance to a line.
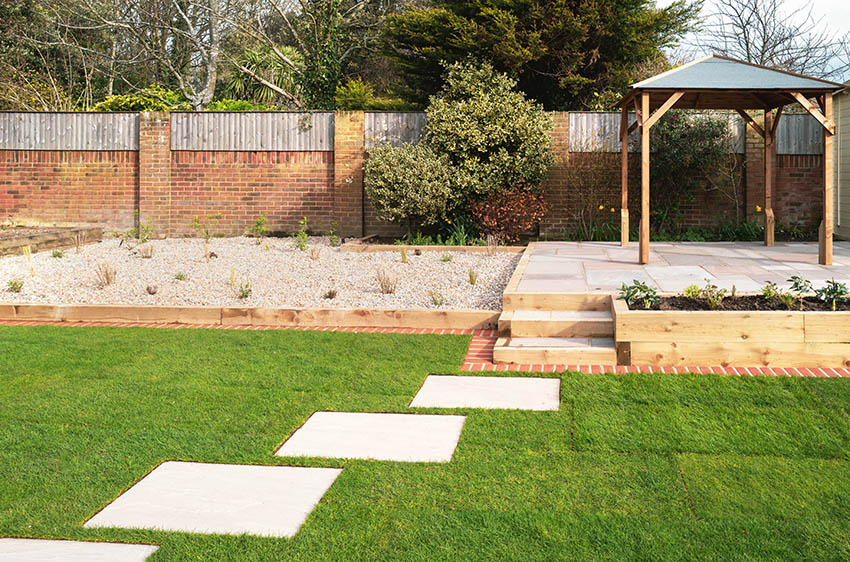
pixel 740 303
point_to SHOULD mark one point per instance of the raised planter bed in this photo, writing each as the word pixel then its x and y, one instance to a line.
pixel 39 239
pixel 732 338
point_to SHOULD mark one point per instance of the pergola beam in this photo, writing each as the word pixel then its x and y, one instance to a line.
pixel 825 121
pixel 750 121
pixel 671 101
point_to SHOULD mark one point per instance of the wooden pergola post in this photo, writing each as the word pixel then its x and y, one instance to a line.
pixel 624 177
pixel 825 119
pixel 769 168
pixel 827 224
pixel 644 179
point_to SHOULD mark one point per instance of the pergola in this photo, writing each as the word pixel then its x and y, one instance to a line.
pixel 717 82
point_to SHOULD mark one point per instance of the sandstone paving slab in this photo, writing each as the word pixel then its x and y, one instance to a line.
pixel 43 550
pixel 518 393
pixel 614 278
pixel 376 436
pixel 271 501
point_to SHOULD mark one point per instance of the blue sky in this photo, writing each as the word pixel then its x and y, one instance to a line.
pixel 835 13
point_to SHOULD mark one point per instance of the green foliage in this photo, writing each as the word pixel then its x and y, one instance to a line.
pixel 333 237
pixel 833 292
pixel 773 291
pixel 15 285
pixel 687 147
pixel 436 298
pixel 204 226
pixel 264 63
pixel 712 294
pixel 302 240
pixel 357 94
pixel 180 276
pixel 140 234
pixel 445 258
pixel 259 229
pixel 495 139
pixel 152 98
pixel 409 185
pixel 243 291
pixel 692 292
pixel 562 52
pixel 639 291
pixel 473 277
pixel 58 253
pixel 235 105
pixel 800 287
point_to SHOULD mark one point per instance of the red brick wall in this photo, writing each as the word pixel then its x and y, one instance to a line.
pixel 155 170
pixel 286 186
pixel 69 186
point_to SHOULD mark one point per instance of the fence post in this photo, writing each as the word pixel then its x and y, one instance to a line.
pixel 349 153
pixel 154 202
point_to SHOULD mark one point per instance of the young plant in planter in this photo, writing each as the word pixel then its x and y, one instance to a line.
pixel 639 291
pixel 773 291
pixel 800 287
pixel 833 292
pixel 712 294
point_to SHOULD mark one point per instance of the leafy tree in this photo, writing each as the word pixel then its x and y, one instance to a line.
pixel 560 52
pixel 410 185
pixel 496 139
pixel 152 98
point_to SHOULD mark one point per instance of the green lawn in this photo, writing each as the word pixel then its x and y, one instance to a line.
pixel 632 467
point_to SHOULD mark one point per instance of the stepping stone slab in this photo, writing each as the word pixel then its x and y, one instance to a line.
pixel 519 393
pixel 40 550
pixel 385 437
pixel 271 501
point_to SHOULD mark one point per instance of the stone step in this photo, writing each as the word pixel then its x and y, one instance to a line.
pixel 555 351
pixel 557 323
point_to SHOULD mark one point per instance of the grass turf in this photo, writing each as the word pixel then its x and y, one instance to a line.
pixel 632 467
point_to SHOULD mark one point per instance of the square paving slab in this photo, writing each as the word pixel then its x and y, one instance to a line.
pixel 41 550
pixel 272 501
pixel 518 393
pixel 386 437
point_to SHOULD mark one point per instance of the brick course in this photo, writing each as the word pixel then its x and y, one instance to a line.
pixel 170 187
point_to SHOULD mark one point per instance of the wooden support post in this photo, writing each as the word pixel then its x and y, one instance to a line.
pixel 769 157
pixel 825 242
pixel 644 180
pixel 624 178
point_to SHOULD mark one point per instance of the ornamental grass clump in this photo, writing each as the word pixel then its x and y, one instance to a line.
pixel 105 274
pixel 387 282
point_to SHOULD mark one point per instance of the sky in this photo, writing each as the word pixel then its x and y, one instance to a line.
pixel 835 13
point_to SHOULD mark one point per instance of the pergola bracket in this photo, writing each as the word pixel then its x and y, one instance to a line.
pixel 827 122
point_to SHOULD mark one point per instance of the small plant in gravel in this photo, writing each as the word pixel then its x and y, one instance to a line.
pixel 15 285
pixel 315 253
pixel 78 242
pixel 105 273
pixel 692 292
pixel 833 292
pixel 492 244
pixel 204 229
pixel 58 253
pixel 27 251
pixel 403 255
pixel 387 282
pixel 639 291
pixel 800 287
pixel 180 276
pixel 330 295
pixel 446 258
pixel 302 241
pixel 473 277
pixel 436 298
pixel 259 230
pixel 137 236
pixel 244 290
pixel 333 238
pixel 146 251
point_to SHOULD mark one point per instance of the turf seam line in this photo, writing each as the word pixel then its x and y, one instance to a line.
pixel 688 499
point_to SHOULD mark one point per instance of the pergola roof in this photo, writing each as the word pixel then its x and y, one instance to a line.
pixel 717 82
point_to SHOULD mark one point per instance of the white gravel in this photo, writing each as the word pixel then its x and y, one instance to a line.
pixel 279 274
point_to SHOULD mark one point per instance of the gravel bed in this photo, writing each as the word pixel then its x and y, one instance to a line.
pixel 279 274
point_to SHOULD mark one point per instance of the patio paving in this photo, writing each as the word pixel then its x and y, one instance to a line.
pixel 605 266
pixel 516 393
pixel 270 501
pixel 42 550
pixel 386 437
